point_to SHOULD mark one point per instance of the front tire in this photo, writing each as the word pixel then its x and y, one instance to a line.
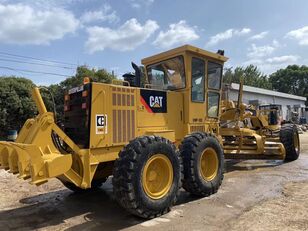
pixel 203 161
pixel 289 137
pixel 147 176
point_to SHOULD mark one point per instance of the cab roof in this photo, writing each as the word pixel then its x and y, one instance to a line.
pixel 180 50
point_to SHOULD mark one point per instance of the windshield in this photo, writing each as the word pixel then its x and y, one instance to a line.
pixel 167 75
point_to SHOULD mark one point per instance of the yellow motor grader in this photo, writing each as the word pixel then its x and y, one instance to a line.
pixel 154 139
pixel 256 133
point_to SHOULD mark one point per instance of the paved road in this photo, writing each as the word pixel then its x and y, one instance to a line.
pixel 255 195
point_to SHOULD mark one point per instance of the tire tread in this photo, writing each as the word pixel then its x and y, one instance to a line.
pixel 124 172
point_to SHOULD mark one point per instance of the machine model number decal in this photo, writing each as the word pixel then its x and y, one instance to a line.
pixel 75 90
pixel 154 101
pixel 101 124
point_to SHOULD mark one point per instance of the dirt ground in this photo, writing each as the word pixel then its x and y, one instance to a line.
pixel 255 195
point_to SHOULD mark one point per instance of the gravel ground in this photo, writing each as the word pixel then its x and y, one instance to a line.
pixel 255 195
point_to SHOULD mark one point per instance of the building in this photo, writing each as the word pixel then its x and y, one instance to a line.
pixel 292 105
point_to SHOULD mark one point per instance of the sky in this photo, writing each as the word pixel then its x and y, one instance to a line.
pixel 45 40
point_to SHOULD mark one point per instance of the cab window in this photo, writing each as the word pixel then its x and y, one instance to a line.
pixel 167 75
pixel 213 104
pixel 197 80
pixel 214 75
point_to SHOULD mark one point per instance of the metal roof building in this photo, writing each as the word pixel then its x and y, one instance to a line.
pixel 291 104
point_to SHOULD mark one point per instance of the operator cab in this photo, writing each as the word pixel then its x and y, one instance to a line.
pixel 194 72
pixel 273 113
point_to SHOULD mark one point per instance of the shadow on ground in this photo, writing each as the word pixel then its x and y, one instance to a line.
pixel 96 210
pixel 241 165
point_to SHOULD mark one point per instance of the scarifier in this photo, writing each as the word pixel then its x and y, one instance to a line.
pixel 153 139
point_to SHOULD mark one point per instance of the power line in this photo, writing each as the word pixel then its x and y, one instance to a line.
pixel 20 59
pixel 38 59
pixel 17 56
pixel 35 72
pixel 32 63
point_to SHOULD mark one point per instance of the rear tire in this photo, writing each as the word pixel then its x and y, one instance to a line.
pixel 290 139
pixel 203 161
pixel 147 176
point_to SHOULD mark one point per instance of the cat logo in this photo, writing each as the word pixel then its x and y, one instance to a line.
pixel 156 101
pixel 101 124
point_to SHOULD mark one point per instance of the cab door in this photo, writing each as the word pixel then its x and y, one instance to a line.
pixel 197 94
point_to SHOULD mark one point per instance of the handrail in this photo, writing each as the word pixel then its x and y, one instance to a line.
pixel 149 85
pixel 105 113
pixel 116 81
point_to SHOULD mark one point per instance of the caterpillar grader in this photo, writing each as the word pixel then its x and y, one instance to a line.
pixel 154 138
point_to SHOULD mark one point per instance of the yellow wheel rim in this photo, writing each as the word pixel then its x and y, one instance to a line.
pixel 157 176
pixel 209 164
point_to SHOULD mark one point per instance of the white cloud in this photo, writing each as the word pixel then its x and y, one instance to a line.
pixel 48 4
pixel 228 34
pixel 138 4
pixel 253 62
pixel 22 24
pixel 272 64
pixel 262 51
pixel 301 35
pixel 259 36
pixel 242 32
pixel 127 37
pixel 283 59
pixel 105 14
pixel 178 33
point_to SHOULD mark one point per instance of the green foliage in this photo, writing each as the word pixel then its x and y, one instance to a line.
pixel 292 79
pixel 16 105
pixel 58 90
pixel 251 74
pixel 101 76
pixel 58 94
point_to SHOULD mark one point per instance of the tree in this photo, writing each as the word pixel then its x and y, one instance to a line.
pixel 101 76
pixel 58 90
pixel 16 105
pixel 58 94
pixel 251 74
pixel 293 80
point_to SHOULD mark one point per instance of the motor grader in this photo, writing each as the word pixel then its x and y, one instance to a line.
pixel 153 139
pixel 251 132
